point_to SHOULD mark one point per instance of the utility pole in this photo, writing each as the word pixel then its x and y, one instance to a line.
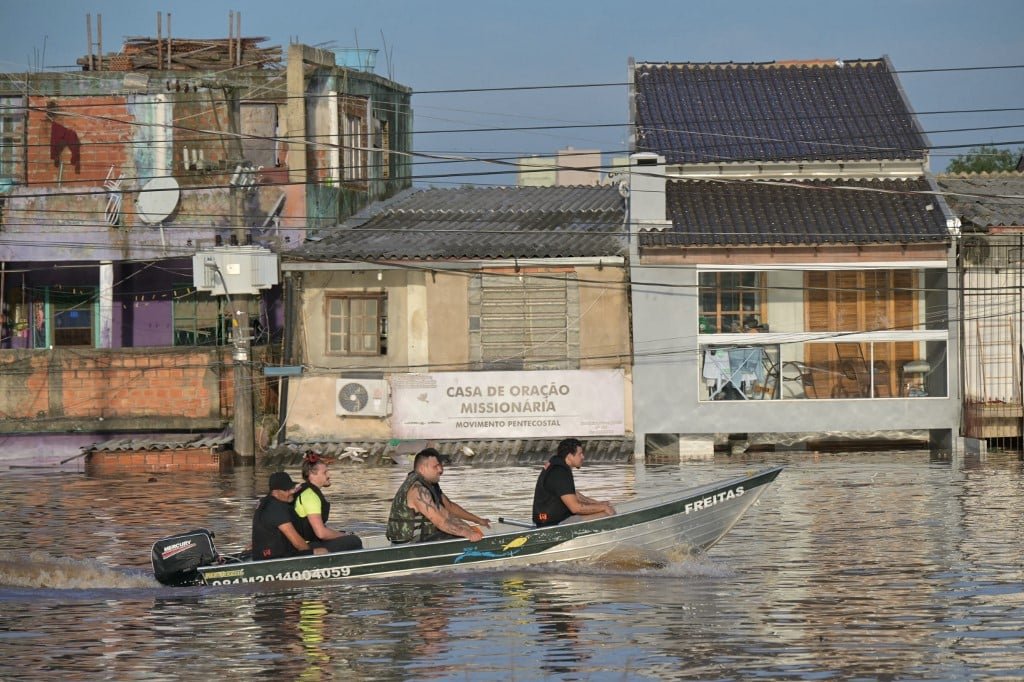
pixel 245 444
pixel 239 273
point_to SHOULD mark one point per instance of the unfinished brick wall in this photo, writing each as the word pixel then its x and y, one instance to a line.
pixel 195 459
pixel 123 384
pixel 85 383
pixel 100 127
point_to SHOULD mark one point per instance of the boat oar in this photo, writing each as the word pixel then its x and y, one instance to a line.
pixel 513 522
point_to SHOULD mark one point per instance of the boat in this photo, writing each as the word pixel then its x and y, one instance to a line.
pixel 687 521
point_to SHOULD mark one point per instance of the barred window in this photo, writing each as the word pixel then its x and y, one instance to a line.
pixel 12 138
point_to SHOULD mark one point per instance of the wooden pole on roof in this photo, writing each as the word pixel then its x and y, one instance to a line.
pixel 169 46
pixel 88 37
pixel 99 37
pixel 159 40
pixel 231 33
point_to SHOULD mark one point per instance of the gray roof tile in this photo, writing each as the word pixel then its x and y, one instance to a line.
pixel 985 200
pixel 479 223
pixel 811 111
pixel 737 213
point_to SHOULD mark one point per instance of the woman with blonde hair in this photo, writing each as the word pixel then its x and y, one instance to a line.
pixel 313 509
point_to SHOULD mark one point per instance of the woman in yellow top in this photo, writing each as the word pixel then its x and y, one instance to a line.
pixel 313 509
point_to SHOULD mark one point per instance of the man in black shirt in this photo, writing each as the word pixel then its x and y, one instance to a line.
pixel 555 498
pixel 273 525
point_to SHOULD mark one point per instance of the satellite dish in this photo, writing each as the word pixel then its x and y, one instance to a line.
pixel 157 199
pixel 353 397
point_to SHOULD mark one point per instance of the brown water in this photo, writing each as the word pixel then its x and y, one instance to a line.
pixel 869 566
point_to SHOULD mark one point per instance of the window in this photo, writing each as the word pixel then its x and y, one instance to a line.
pixel 357 324
pixel 72 317
pixel 204 320
pixel 525 322
pixel 834 334
pixel 731 302
pixel 353 138
pixel 384 145
pixel 12 142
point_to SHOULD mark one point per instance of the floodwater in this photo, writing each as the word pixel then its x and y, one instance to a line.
pixel 874 566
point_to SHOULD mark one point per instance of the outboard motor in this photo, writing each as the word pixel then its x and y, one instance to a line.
pixel 175 559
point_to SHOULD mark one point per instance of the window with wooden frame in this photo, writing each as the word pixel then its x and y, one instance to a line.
pixel 732 302
pixel 357 324
pixel 859 301
pixel 353 138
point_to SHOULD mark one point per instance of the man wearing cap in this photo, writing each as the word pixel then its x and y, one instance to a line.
pixel 273 525
pixel 418 511
pixel 555 498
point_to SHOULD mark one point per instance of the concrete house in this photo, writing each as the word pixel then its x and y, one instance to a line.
pixel 789 258
pixel 494 319
pixel 991 282
pixel 113 178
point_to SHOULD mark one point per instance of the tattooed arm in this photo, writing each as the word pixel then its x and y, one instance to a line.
pixel 420 500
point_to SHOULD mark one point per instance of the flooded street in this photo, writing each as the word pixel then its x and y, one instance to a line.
pixel 890 565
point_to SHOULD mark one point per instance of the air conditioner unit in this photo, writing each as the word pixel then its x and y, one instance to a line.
pixel 362 398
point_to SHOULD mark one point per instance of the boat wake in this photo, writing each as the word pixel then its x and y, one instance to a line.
pixel 40 570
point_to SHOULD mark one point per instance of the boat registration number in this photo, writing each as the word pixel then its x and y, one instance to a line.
pixel 309 574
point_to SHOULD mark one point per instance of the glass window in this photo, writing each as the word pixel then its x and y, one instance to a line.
pixel 357 325
pixel 732 302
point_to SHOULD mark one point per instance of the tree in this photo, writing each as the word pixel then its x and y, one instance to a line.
pixel 985 159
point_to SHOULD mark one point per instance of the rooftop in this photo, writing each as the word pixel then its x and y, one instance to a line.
pixel 750 213
pixel 479 223
pixel 983 200
pixel 775 111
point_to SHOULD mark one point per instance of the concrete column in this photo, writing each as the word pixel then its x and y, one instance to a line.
pixel 245 443
pixel 416 324
pixel 106 297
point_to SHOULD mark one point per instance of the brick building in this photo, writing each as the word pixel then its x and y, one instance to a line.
pixel 112 178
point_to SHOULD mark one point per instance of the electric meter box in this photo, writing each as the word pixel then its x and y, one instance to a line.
pixel 231 270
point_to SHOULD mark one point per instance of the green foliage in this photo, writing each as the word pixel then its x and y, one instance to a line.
pixel 985 159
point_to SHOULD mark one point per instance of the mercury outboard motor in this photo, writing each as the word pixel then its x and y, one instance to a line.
pixel 175 559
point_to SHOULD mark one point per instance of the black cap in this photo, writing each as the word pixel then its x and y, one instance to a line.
pixel 280 480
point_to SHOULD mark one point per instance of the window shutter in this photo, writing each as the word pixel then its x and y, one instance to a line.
pixel 527 323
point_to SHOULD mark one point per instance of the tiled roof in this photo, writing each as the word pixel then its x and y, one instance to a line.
pixel 480 223
pixel 811 111
pixel 985 200
pixel 734 213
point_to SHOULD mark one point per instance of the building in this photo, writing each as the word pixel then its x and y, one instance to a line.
pixel 991 282
pixel 569 167
pixel 789 260
pixel 112 178
pixel 469 317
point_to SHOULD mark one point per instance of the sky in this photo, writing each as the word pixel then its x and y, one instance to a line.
pixel 471 44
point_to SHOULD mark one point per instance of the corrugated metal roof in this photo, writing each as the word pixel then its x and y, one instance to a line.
pixel 835 110
pixel 985 200
pixel 217 442
pixel 719 213
pixel 480 223
pixel 494 452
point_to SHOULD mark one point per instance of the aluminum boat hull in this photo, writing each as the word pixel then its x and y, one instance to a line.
pixel 683 522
